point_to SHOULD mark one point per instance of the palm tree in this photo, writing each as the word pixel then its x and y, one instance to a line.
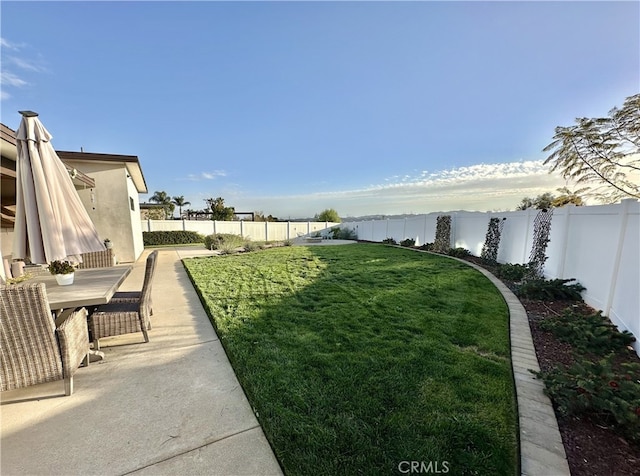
pixel 180 202
pixel 163 199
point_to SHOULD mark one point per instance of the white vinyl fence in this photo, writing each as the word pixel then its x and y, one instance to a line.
pixel 253 230
pixel 599 246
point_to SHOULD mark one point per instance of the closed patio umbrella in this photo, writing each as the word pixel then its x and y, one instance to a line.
pixel 51 222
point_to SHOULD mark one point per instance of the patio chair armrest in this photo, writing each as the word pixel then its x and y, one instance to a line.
pixel 73 335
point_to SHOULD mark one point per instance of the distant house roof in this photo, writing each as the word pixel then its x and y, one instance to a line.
pixel 131 163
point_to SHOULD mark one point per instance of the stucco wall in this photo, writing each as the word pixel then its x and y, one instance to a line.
pixel 109 206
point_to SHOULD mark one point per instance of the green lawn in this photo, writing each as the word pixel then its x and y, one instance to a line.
pixel 359 357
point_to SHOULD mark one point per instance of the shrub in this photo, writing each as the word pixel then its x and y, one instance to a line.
pixel 426 247
pixel 343 233
pixel 177 237
pixel 251 246
pixel 550 290
pixel 599 389
pixel 593 333
pixel 223 242
pixel 389 241
pixel 408 242
pixel 459 252
pixel 513 272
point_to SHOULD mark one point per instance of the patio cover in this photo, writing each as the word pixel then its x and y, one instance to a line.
pixel 51 222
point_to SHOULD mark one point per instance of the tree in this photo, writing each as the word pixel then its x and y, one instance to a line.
pixel 163 199
pixel 568 197
pixel 259 216
pixel 180 202
pixel 328 215
pixel 544 200
pixel 601 152
pixel 219 211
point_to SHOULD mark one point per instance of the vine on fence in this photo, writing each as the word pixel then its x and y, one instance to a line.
pixel 541 229
pixel 492 240
pixel 442 243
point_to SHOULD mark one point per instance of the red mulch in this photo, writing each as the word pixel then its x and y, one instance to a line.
pixel 592 448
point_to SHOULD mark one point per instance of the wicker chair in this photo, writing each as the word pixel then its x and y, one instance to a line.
pixel 135 296
pixel 30 352
pixel 97 259
pixel 127 315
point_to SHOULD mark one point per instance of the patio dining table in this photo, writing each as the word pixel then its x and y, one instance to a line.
pixel 91 287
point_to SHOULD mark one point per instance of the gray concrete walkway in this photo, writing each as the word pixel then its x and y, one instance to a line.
pixel 171 406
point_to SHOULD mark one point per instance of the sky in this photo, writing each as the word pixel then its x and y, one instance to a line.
pixel 290 108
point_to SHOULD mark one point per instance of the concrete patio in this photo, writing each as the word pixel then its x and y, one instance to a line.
pixel 171 406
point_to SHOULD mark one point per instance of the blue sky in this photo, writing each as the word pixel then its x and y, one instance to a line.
pixel 290 108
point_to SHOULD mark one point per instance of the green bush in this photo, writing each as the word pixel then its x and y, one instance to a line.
pixel 224 242
pixel 343 233
pixel 389 241
pixel 513 272
pixel 459 252
pixel 408 242
pixel 155 238
pixel 550 290
pixel 426 247
pixel 593 333
pixel 600 389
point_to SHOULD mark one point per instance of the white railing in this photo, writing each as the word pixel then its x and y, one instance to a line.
pixel 254 230
pixel 599 246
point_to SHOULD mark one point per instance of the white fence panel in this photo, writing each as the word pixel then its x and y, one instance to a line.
pixel 257 231
pixel 469 230
pixel 414 228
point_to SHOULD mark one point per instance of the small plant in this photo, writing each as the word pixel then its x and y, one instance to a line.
pixel 593 333
pixel 223 240
pixel 408 242
pixel 607 393
pixel 389 241
pixel 60 267
pixel 251 246
pixel 513 272
pixel 459 252
pixel 426 247
pixel 550 289
pixel 343 233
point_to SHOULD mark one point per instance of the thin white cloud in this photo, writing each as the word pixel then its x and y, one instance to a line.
pixel 26 65
pixel 205 176
pixel 17 71
pixel 480 187
pixel 9 79
pixel 4 43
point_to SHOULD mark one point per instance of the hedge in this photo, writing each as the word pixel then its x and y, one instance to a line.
pixel 154 238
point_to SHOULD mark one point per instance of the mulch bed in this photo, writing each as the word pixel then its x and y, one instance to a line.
pixel 592 448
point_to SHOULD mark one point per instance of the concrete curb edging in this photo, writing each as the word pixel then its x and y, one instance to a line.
pixel 541 448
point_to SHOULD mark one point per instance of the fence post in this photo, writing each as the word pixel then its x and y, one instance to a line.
pixel 214 227
pixel 288 230
pixel 625 205
pixel 242 228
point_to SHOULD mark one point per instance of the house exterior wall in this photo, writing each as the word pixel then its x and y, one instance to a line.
pixel 109 205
